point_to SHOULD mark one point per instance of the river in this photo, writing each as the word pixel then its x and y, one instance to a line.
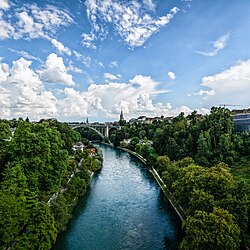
pixel 123 208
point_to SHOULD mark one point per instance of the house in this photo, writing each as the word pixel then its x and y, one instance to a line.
pixel 92 151
pixel 78 146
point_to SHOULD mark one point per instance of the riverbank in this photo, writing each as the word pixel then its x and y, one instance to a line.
pixel 123 209
pixel 178 209
pixel 63 203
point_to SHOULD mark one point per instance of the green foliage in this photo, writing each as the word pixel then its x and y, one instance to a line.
pixel 215 230
pixel 13 217
pixel 134 141
pixel 15 181
pixel 162 163
pixel 38 148
pixel 209 140
pixel 35 164
pixel 185 162
pixel 61 212
pixel 5 132
pixel 41 232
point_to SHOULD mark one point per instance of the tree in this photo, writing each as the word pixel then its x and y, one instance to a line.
pixel 204 149
pixel 133 142
pixel 61 212
pixel 219 181
pixel 13 217
pixel 189 179
pixel 5 132
pixel 41 232
pixel 200 200
pixel 216 230
pixel 162 163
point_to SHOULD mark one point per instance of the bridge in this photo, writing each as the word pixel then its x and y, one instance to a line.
pixel 102 129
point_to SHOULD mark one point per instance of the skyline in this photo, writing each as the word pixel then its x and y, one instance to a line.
pixel 76 59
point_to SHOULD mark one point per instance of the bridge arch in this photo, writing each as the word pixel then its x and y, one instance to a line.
pixel 86 126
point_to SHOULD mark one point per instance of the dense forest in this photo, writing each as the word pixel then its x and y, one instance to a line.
pixel 203 162
pixel 205 165
pixel 40 180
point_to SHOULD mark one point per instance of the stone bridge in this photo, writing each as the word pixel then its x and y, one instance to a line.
pixel 99 128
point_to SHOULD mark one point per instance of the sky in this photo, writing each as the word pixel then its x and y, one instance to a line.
pixel 73 59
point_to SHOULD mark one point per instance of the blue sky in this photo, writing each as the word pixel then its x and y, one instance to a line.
pixel 73 59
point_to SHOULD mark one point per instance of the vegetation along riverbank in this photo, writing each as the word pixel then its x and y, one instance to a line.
pixel 41 178
pixel 204 164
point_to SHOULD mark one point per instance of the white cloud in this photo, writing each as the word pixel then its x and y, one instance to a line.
pixel 134 97
pixel 218 45
pixel 32 22
pixel 144 103
pixel 23 93
pixel 86 60
pixel 26 55
pixel 60 47
pixel 6 30
pixel 4 4
pixel 74 69
pixel 150 4
pixel 229 86
pixel 101 65
pixel 4 72
pixel 55 71
pixel 171 75
pixel 111 77
pixel 205 92
pixel 128 18
pixel 88 39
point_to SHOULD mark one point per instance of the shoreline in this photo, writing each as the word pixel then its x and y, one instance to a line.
pixel 180 212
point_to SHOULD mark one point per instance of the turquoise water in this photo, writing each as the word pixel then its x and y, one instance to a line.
pixel 123 209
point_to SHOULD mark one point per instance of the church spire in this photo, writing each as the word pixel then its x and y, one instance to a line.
pixel 122 120
pixel 121 116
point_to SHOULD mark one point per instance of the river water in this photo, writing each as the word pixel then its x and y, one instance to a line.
pixel 123 208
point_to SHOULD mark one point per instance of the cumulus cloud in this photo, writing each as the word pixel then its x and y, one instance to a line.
pixel 229 86
pixel 134 97
pixel 32 22
pixel 111 77
pixel 23 93
pixel 129 19
pixel 60 47
pixel 55 71
pixel 171 75
pixel 218 45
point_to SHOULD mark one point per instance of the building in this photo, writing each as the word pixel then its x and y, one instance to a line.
pixel 242 122
pixel 149 120
pixel 79 146
pixel 91 151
